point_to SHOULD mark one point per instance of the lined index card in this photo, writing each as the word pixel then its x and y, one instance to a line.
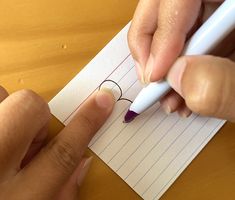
pixel 152 151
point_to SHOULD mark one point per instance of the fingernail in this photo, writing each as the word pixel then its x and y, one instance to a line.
pixel 84 171
pixel 175 74
pixel 149 69
pixel 139 71
pixel 166 108
pixel 185 113
pixel 105 98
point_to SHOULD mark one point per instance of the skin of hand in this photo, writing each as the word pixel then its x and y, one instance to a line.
pixel 156 38
pixel 31 170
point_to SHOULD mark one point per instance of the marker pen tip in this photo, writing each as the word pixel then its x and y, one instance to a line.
pixel 130 116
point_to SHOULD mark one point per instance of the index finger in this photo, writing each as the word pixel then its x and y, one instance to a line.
pixel 57 161
pixel 141 32
pixel 175 20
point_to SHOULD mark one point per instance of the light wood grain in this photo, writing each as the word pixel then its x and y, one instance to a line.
pixel 44 44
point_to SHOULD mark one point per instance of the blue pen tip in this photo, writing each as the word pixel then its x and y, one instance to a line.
pixel 130 116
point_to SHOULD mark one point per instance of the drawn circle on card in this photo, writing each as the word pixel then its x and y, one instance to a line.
pixel 115 88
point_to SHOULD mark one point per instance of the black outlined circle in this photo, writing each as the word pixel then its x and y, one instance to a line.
pixel 119 87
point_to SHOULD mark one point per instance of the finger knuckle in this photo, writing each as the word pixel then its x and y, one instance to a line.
pixel 207 100
pixel 210 93
pixel 90 125
pixel 29 96
pixel 131 39
pixel 27 93
pixel 34 101
pixel 135 36
pixel 62 154
pixel 201 104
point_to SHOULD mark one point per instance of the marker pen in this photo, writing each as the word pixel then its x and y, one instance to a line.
pixel 212 32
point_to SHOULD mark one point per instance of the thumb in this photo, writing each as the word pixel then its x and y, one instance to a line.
pixel 206 83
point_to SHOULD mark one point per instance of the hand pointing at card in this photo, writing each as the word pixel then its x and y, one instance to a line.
pixel 29 170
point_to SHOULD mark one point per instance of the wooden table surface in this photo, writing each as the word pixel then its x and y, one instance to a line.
pixel 44 44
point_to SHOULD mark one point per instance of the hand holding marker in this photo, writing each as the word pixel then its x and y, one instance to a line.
pixel 212 32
